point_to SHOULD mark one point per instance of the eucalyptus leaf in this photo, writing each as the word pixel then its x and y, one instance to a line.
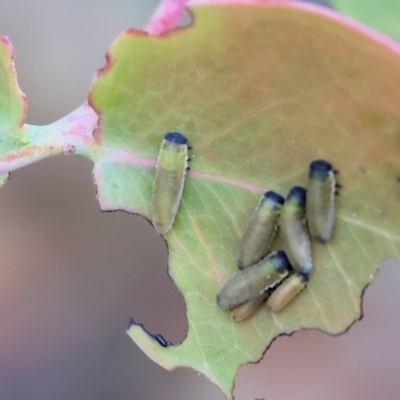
pixel 260 91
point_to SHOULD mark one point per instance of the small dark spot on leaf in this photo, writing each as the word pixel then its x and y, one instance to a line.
pixel 161 340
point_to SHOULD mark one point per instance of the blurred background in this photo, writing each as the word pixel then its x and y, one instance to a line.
pixel 71 276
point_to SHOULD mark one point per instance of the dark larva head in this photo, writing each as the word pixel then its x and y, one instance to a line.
pixel 319 170
pixel 303 278
pixel 176 138
pixel 297 195
pixel 280 261
pixel 273 198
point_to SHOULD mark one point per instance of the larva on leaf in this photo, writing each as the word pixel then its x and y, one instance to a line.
pixel 243 311
pixel 169 180
pixel 260 230
pixel 287 291
pixel 253 281
pixel 320 208
pixel 293 231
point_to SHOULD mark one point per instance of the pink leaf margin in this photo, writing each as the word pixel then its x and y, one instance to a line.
pixel 168 13
pixel 377 37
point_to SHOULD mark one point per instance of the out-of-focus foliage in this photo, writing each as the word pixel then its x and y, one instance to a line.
pixel 382 15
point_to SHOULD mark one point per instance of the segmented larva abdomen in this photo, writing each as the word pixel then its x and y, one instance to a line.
pixel 253 281
pixel 169 180
pixel 260 230
pixel 320 208
pixel 287 291
pixel 293 231
pixel 243 311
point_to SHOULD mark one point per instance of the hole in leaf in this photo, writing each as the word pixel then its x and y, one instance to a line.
pixel 185 20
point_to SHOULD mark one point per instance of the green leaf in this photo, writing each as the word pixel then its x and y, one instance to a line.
pixel 22 144
pixel 260 91
pixel 12 100
pixel 12 103
pixel 381 15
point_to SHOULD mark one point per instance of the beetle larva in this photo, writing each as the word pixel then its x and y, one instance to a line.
pixel 260 231
pixel 169 179
pixel 287 291
pixel 293 231
pixel 253 281
pixel 243 311
pixel 320 208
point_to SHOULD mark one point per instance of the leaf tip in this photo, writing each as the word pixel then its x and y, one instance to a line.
pixel 156 338
pixel 131 323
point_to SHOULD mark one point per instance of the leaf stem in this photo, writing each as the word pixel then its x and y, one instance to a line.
pixel 72 134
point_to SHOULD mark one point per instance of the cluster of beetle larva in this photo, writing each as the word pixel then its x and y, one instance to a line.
pixel 279 276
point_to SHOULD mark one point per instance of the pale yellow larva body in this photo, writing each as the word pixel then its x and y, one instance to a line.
pixel 253 281
pixel 320 207
pixel 260 230
pixel 169 180
pixel 243 311
pixel 287 291
pixel 293 232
